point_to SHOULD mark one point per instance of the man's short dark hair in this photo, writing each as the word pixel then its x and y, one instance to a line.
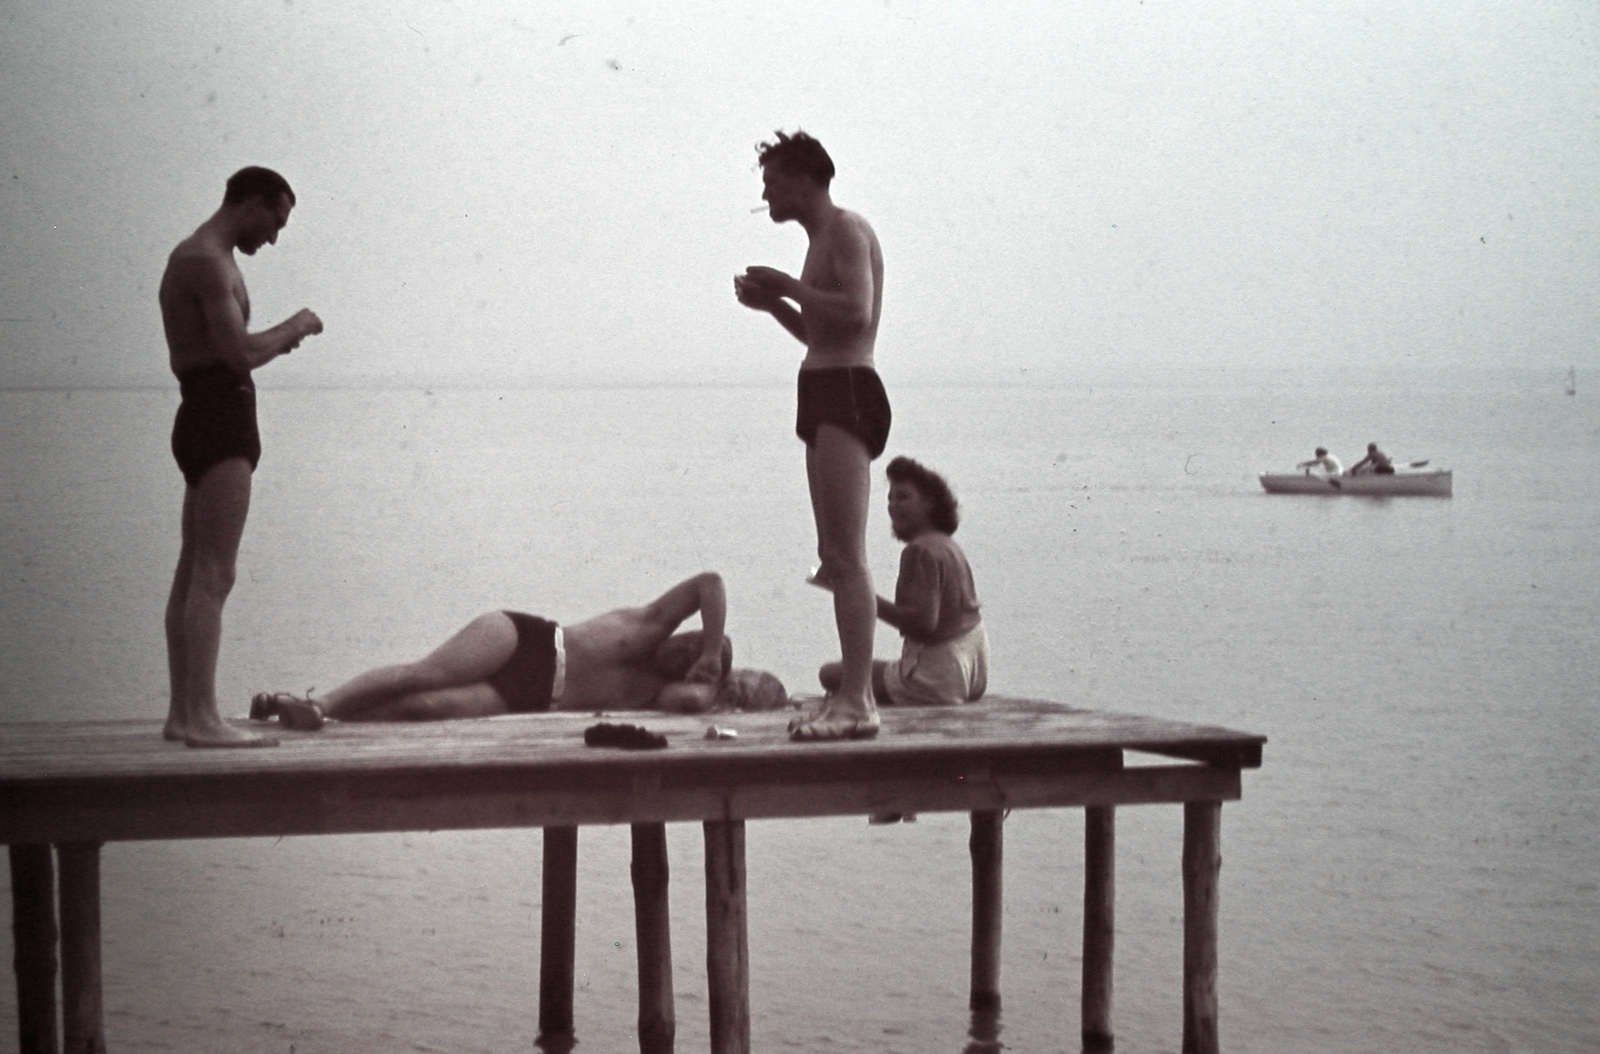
pixel 797 155
pixel 943 508
pixel 256 182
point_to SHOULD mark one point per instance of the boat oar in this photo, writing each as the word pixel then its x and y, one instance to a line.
pixel 1418 464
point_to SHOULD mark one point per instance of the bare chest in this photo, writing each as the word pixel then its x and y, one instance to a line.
pixel 611 688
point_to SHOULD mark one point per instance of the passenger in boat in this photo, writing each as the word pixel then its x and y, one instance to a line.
pixel 1325 461
pixel 1376 462
pixel 944 657
pixel 506 662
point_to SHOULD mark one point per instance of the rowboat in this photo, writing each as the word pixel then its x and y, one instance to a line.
pixel 1433 483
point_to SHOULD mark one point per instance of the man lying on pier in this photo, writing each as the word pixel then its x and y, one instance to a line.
pixel 507 662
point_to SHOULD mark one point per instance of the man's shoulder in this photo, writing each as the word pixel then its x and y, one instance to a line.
pixel 197 265
pixel 854 225
pixel 196 254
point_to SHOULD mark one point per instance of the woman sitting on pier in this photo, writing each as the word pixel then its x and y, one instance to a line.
pixel 945 656
pixel 506 662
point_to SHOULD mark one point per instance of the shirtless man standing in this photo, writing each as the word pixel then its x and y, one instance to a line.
pixel 509 662
pixel 843 412
pixel 206 312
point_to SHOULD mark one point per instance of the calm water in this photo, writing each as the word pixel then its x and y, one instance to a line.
pixel 1414 868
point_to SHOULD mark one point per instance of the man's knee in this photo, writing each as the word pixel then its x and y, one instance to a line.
pixel 844 558
pixel 418 679
pixel 215 576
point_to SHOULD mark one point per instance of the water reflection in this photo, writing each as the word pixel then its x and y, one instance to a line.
pixel 984 1033
pixel 556 1042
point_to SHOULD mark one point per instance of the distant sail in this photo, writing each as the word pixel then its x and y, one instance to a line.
pixel 1572 380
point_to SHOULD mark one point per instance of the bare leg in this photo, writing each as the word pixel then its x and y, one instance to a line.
pixel 839 473
pixel 177 601
pixel 831 676
pixel 449 682
pixel 213 522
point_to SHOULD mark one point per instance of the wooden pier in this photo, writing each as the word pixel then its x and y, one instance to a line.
pixel 76 786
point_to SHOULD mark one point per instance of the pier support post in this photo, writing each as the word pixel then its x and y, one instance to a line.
pixel 1099 923
pixel 558 931
pixel 82 1008
pixel 653 927
pixel 33 926
pixel 1202 863
pixel 727 938
pixel 986 846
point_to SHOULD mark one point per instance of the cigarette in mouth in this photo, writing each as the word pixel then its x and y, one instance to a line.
pixel 759 208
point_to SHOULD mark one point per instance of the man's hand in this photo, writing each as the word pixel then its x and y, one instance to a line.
pixel 310 325
pixel 707 669
pixel 769 282
pixel 302 324
pixel 764 288
pixel 753 294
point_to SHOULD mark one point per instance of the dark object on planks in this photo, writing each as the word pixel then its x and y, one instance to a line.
pixel 628 737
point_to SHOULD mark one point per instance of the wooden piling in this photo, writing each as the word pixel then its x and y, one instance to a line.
pixel 986 845
pixel 33 925
pixel 82 1014
pixel 1202 863
pixel 653 928
pixel 1099 923
pixel 727 938
pixel 558 931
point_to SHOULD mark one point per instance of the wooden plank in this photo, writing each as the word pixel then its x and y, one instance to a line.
pixel 1202 862
pixel 82 1015
pixel 54 750
pixel 727 938
pixel 349 805
pixel 558 935
pixel 1099 925
pixel 653 928
pixel 104 781
pixel 33 925
pixel 986 845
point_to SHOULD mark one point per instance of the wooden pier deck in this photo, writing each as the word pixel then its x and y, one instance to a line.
pixel 75 786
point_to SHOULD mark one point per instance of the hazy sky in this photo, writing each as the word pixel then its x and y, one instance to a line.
pixel 536 191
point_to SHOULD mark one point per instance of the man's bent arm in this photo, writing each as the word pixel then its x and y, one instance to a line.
pixel 713 618
pixel 790 319
pixel 703 593
pixel 760 298
pixel 225 325
pixel 846 307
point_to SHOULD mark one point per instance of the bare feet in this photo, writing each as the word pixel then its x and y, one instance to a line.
pixel 836 718
pixel 215 733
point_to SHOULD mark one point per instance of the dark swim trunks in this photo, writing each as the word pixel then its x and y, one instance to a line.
pixel 527 679
pixel 216 421
pixel 851 397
